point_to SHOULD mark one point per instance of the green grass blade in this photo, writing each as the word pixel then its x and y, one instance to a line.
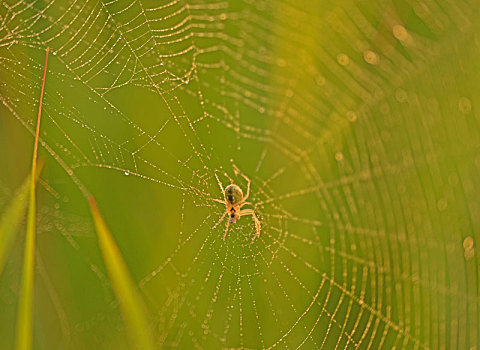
pixel 11 219
pixel 24 331
pixel 131 304
pixel 25 310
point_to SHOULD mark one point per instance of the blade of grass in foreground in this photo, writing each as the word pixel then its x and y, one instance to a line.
pixel 25 308
pixel 12 217
pixel 131 304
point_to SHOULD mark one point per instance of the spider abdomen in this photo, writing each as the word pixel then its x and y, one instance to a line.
pixel 233 194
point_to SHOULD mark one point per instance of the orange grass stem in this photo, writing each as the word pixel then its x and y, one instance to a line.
pixel 37 132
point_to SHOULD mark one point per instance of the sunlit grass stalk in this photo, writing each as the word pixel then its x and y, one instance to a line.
pixel 131 304
pixel 12 218
pixel 24 333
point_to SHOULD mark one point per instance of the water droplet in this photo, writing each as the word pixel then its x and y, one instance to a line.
pixel 400 32
pixel 370 57
pixel 464 105
pixel 127 172
pixel 468 249
pixel 442 204
pixel 468 243
pixel 339 156
pixel 320 80
pixel 351 116
pixel 343 59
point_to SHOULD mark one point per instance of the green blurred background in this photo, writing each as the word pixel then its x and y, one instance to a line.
pixel 357 123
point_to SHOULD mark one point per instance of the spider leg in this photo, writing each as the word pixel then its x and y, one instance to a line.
pixel 237 171
pixel 226 228
pixel 244 203
pixel 217 200
pixel 248 189
pixel 257 222
pixel 219 221
pixel 221 186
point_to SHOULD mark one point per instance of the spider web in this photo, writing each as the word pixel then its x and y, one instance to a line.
pixel 356 124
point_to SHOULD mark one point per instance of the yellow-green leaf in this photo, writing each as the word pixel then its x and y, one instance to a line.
pixel 11 219
pixel 131 304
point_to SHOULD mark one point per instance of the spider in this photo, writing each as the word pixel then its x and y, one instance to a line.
pixel 234 200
